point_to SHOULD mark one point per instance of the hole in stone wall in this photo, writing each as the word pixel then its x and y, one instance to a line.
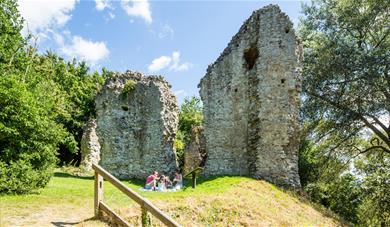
pixel 235 90
pixel 287 30
pixel 250 56
pixel 125 108
pixel 282 81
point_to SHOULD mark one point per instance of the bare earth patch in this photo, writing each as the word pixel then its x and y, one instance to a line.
pixel 50 215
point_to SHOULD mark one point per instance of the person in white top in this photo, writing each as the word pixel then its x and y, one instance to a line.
pixel 161 186
pixel 178 180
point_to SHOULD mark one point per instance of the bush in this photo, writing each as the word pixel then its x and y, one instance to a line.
pixel 129 86
pixel 29 135
pixel 21 177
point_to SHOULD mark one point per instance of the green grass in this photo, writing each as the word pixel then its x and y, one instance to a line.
pixel 220 201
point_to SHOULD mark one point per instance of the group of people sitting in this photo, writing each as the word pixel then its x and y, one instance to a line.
pixel 162 183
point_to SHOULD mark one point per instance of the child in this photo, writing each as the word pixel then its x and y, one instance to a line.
pixel 178 180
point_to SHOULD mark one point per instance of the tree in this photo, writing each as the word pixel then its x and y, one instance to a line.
pixel 77 90
pixel 44 102
pixel 347 94
pixel 29 135
pixel 375 207
pixel 346 71
pixel 11 41
pixel 190 115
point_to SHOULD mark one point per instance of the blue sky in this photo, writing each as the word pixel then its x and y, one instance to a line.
pixel 176 39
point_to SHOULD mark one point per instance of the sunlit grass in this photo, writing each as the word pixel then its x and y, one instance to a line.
pixel 219 201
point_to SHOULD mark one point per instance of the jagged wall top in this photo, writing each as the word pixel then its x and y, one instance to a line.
pixel 135 76
pixel 243 29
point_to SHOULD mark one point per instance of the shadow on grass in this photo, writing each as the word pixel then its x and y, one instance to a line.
pixel 68 175
pixel 65 223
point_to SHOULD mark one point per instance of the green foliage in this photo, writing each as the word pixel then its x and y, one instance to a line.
pixel 11 41
pixel 345 195
pixel 28 135
pixel 375 208
pixel 190 115
pixel 359 196
pixel 44 102
pixel 179 146
pixel 346 88
pixel 307 162
pixel 77 89
pixel 342 195
pixel 346 70
pixel 129 86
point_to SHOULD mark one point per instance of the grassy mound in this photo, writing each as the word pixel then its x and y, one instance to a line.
pixel 223 201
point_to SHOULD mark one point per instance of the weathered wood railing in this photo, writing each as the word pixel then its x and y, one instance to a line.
pixel 193 173
pixel 146 206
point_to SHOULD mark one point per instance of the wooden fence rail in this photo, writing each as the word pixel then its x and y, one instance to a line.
pixel 146 206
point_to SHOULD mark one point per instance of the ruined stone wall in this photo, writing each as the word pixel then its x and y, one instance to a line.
pixel 195 150
pixel 90 147
pixel 137 119
pixel 251 101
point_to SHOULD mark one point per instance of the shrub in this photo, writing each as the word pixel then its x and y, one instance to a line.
pixel 29 135
pixel 129 86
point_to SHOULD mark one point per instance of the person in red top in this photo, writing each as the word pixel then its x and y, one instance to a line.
pixel 151 181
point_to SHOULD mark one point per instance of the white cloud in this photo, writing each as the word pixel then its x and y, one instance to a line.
pixel 138 8
pixel 176 66
pixel 46 14
pixel 166 31
pixel 58 39
pixel 172 62
pixel 159 63
pixel 111 15
pixel 87 50
pixel 181 93
pixel 102 4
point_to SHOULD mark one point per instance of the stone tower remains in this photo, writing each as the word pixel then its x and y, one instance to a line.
pixel 251 101
pixel 90 146
pixel 137 119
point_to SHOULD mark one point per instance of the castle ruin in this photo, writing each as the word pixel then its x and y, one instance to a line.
pixel 250 96
pixel 136 123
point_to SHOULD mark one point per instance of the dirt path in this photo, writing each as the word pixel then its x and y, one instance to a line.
pixel 60 215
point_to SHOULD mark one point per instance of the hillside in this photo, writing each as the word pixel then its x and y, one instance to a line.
pixel 238 201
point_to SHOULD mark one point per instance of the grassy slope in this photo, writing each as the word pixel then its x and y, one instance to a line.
pixel 223 201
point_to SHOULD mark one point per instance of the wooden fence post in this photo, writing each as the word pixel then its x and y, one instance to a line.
pixel 145 217
pixel 98 192
pixel 194 180
pixel 147 208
